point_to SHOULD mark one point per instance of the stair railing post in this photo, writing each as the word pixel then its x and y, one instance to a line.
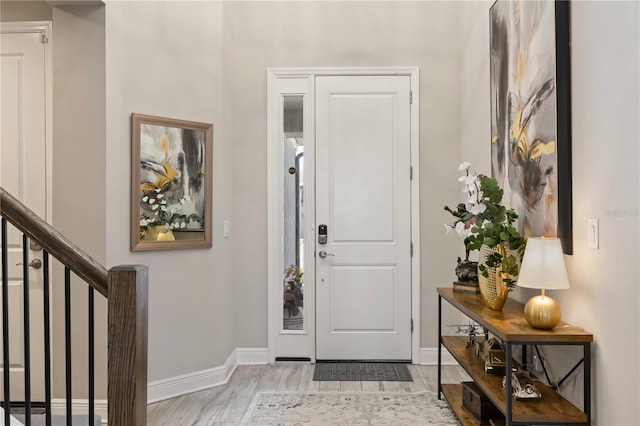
pixel 127 364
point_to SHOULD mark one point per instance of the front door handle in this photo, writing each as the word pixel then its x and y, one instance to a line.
pixel 323 254
pixel 35 264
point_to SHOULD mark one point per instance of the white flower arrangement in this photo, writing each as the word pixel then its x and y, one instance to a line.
pixel 468 213
pixel 482 220
pixel 159 210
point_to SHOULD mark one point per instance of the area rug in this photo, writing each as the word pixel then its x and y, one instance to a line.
pixel 361 371
pixel 348 408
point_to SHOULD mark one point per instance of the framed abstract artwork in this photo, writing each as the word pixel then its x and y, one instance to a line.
pixel 170 183
pixel 531 114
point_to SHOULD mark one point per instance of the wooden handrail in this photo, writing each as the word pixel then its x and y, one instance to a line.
pixel 126 287
pixel 55 243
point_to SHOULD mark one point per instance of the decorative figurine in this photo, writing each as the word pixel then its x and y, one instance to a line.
pixel 466 270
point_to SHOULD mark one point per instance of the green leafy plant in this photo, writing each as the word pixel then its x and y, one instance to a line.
pixel 482 220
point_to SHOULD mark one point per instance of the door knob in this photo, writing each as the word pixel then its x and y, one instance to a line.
pixel 35 264
pixel 323 254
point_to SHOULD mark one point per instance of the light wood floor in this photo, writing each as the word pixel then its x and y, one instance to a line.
pixel 225 405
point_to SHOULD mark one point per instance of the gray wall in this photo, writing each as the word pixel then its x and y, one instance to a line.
pixel 166 59
pixel 343 34
pixel 209 65
pixel 605 119
pixel 14 11
pixel 79 177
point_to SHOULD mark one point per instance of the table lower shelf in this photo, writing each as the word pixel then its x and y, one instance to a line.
pixel 453 394
pixel 552 407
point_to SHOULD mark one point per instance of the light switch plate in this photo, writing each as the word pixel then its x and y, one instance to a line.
pixel 592 233
pixel 225 229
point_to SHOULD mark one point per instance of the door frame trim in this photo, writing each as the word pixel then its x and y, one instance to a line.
pixel 46 28
pixel 277 86
pixel 274 193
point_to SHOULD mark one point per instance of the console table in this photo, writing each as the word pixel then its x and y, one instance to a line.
pixel 510 326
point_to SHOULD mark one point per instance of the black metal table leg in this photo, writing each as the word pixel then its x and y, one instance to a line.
pixel 508 387
pixel 439 347
pixel 586 351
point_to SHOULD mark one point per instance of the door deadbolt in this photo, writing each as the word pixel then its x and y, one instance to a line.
pixel 322 234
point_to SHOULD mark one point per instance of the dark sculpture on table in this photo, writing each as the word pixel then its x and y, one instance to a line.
pixel 466 270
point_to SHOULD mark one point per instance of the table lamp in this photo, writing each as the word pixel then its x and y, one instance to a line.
pixel 543 267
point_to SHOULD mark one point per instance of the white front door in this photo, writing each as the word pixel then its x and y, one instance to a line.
pixel 363 196
pixel 23 174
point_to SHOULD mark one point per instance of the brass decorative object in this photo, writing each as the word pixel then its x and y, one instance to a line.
pixel 493 289
pixel 542 312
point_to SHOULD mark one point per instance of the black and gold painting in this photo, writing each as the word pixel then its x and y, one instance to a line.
pixel 530 114
pixel 171 183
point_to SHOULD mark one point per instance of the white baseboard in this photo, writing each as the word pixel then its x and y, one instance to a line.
pixel 12 420
pixel 252 356
pixel 178 385
pixel 191 382
pixel 80 407
pixel 429 356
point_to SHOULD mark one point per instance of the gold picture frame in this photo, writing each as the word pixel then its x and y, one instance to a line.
pixel 171 185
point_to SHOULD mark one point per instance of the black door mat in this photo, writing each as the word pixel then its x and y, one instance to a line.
pixel 361 372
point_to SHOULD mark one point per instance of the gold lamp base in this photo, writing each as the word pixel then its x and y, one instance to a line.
pixel 542 312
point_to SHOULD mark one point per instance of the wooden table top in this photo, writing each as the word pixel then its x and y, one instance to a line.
pixel 509 324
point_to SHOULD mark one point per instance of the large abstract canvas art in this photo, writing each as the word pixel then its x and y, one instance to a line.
pixel 171 183
pixel 530 114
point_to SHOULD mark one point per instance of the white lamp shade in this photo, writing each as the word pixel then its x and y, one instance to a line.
pixel 543 265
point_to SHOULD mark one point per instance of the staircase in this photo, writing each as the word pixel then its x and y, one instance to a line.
pixel 125 289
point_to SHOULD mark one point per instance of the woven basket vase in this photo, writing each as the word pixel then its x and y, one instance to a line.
pixel 492 288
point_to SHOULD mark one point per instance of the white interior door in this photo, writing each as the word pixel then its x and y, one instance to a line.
pixel 363 196
pixel 23 174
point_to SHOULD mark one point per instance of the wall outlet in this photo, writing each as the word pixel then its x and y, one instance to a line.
pixel 592 233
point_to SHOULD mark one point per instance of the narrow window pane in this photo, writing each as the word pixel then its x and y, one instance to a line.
pixel 293 226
